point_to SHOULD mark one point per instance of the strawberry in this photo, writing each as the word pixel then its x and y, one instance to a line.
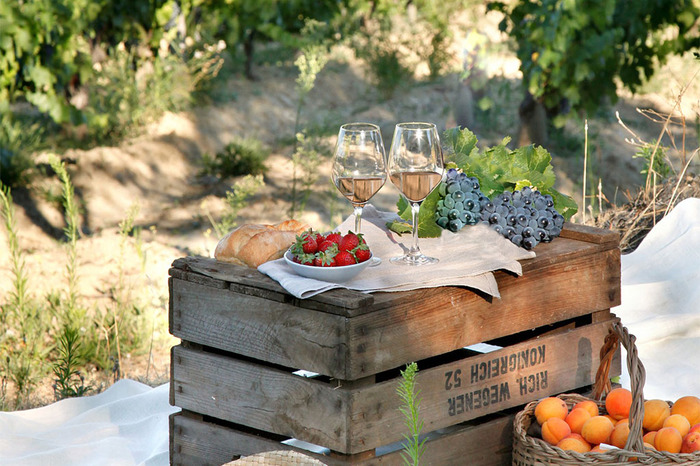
pixel 309 244
pixel 362 252
pixel 318 260
pixel 305 244
pixel 344 258
pixel 334 237
pixel 349 242
pixel 325 245
pixel 320 238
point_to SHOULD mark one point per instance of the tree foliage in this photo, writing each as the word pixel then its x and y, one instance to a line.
pixel 577 49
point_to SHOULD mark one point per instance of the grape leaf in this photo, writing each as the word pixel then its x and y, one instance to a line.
pixel 499 168
pixel 427 228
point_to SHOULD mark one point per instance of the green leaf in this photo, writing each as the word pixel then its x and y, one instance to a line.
pixel 459 144
pixel 399 227
pixel 499 169
pixel 427 228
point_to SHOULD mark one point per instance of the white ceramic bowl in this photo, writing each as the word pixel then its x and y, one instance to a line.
pixel 327 274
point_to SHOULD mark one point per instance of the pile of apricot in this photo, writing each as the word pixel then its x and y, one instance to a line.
pixel 583 428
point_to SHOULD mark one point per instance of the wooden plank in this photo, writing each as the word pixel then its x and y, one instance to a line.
pixel 261 397
pixel 193 441
pixel 341 298
pixel 575 242
pixel 444 318
pixel 352 420
pixel 589 234
pixel 484 444
pixel 448 318
pixel 484 384
pixel 251 326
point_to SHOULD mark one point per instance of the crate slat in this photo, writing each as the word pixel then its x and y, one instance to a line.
pixel 195 441
pixel 350 349
pixel 351 420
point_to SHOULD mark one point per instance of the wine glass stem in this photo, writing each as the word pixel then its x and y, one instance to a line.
pixel 358 217
pixel 415 208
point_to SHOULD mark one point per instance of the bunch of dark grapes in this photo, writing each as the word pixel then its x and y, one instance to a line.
pixel 460 202
pixel 526 217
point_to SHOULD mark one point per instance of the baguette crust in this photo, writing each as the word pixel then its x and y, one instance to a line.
pixel 253 244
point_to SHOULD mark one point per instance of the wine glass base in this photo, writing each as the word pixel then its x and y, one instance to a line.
pixel 414 260
pixel 374 261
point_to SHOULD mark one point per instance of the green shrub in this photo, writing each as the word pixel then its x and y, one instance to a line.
pixel 18 141
pixel 242 156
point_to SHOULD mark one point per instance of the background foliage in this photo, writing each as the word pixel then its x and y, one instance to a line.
pixel 573 52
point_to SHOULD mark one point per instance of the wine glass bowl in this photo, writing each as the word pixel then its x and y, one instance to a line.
pixel 415 167
pixel 359 165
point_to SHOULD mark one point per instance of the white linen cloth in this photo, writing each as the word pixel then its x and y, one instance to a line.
pixel 661 304
pixel 467 258
pixel 127 424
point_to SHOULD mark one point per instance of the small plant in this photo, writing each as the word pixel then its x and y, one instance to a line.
pixel 22 330
pixel 242 156
pixel 313 58
pixel 236 199
pixel 69 381
pixel 73 314
pixel 414 447
pixel 306 159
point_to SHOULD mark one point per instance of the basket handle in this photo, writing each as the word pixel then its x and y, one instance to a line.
pixel 618 334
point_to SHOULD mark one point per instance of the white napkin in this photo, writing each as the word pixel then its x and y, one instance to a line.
pixel 466 258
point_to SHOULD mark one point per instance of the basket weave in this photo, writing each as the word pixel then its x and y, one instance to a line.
pixel 528 450
pixel 276 458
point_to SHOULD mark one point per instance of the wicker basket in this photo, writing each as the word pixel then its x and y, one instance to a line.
pixel 528 450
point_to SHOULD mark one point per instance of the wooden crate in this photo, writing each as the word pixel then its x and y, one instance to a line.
pixel 236 373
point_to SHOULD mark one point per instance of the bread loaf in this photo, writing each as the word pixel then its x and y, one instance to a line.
pixel 254 244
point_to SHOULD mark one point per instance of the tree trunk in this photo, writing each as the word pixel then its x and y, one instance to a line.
pixel 533 122
pixel 248 50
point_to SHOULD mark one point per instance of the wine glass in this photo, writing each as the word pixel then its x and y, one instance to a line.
pixel 415 168
pixel 359 167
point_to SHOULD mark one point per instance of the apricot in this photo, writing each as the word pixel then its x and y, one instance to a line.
pixel 550 407
pixel 691 442
pixel 588 405
pixel 649 437
pixel 695 428
pixel 622 421
pixel 618 403
pixel 618 436
pixel 597 429
pixel 668 439
pixel 679 422
pixel 576 418
pixel 648 446
pixel 655 413
pixel 554 429
pixel 598 449
pixel 574 442
pixel 688 406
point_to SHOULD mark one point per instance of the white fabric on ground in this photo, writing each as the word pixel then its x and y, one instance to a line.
pixel 128 423
pixel 661 303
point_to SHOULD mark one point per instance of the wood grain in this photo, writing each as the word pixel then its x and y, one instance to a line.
pixel 478 444
pixel 442 319
pixel 252 326
pixel 352 420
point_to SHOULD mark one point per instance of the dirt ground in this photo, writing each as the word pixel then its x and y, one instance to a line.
pixel 159 172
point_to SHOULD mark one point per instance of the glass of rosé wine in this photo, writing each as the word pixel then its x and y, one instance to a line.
pixel 415 167
pixel 359 165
